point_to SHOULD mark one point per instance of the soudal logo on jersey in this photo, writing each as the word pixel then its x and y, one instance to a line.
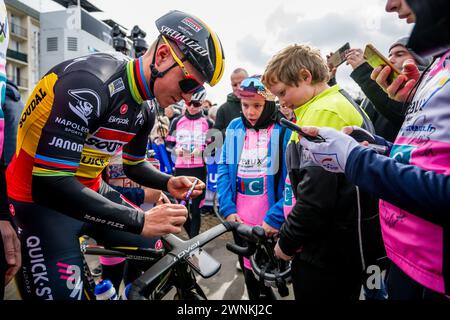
pixel 251 186
pixel 36 100
pixel 108 140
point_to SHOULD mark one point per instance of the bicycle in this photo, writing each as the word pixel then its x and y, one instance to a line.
pixel 172 267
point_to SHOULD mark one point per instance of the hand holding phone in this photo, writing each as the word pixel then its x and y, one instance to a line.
pixel 375 59
pixel 338 57
pixel 290 125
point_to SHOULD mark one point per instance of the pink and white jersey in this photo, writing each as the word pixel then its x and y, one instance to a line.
pixel 414 244
pixel 252 201
pixel 190 134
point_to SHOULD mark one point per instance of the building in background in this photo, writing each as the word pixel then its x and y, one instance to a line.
pixel 71 32
pixel 22 57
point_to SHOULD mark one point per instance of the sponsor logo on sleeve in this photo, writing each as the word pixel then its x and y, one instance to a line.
pixel 108 140
pixel 85 103
pixel 116 86
pixel 66 144
pixel 34 103
pixel 72 127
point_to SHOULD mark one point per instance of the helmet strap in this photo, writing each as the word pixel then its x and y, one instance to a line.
pixel 155 73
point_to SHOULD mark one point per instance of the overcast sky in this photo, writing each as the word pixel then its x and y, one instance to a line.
pixel 252 31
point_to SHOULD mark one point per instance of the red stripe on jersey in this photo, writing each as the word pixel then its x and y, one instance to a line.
pixel 113 135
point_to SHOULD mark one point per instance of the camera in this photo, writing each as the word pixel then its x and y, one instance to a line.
pixel 119 41
pixel 139 44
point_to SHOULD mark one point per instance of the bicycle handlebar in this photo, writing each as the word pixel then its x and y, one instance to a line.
pixel 182 249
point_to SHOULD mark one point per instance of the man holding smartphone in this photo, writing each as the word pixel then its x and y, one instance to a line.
pixel 386 114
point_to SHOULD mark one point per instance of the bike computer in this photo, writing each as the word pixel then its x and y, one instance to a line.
pixel 203 263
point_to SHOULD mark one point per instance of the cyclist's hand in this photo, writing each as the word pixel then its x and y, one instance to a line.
pixel 164 219
pixel 234 217
pixel 11 245
pixel 401 87
pixel 270 231
pixel 280 254
pixel 179 187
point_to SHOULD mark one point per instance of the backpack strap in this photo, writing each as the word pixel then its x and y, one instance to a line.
pixel 367 123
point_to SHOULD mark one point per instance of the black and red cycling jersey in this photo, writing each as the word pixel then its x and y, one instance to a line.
pixel 81 113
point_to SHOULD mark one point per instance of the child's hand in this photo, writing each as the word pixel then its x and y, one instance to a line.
pixel 270 231
pixel 234 217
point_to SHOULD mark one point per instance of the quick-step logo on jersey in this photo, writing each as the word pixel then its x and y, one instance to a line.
pixel 85 104
pixel 108 140
pixel 71 274
pixel 251 186
pixel 38 268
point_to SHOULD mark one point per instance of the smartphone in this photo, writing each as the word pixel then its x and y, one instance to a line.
pixel 290 125
pixel 375 59
pixel 338 57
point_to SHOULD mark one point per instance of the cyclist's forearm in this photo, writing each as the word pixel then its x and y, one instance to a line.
pixel 68 196
pixel 146 175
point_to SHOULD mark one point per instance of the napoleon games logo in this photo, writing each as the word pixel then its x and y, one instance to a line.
pixel 85 103
pixel 192 24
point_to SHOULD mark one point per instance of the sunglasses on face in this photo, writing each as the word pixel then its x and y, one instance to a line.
pixel 189 84
pixel 194 104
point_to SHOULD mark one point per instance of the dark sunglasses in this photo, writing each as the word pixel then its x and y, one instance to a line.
pixel 194 104
pixel 189 84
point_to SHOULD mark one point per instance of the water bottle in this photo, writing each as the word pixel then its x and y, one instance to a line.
pixel 104 290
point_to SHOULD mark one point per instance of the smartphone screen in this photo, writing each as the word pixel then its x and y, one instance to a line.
pixel 338 57
pixel 375 59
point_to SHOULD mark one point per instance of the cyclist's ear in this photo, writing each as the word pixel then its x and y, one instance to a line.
pixel 163 56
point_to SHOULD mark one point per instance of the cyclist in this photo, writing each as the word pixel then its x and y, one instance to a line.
pixel 80 113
